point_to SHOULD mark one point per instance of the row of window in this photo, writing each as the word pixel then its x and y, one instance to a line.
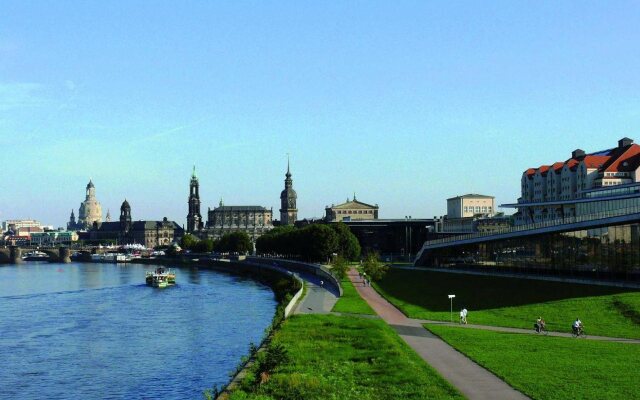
pixel 478 209
pixel 354 211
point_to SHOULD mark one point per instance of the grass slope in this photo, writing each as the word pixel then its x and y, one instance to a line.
pixel 342 358
pixel 551 368
pixel 351 302
pixel 499 301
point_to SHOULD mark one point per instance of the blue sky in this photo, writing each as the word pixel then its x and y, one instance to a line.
pixel 405 103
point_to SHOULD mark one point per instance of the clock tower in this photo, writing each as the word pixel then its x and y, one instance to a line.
pixel 288 199
pixel 194 219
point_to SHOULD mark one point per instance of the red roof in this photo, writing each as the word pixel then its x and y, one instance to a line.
pixel 530 172
pixel 627 161
pixel 595 161
pixel 543 169
pixel 557 167
pixel 572 163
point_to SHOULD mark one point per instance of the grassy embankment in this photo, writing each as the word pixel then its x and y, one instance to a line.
pixel 513 302
pixel 351 302
pixel 546 367
pixel 344 357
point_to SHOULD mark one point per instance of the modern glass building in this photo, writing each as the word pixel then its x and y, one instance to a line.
pixel 602 239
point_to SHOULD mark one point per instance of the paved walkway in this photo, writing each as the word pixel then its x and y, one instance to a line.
pixel 320 297
pixel 473 381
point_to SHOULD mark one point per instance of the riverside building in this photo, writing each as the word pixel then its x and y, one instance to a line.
pixel 580 216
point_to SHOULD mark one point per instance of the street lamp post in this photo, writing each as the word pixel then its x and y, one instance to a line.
pixel 451 296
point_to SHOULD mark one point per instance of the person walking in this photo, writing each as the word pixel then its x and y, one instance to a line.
pixel 463 316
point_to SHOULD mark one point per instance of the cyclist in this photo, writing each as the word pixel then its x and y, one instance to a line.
pixel 577 326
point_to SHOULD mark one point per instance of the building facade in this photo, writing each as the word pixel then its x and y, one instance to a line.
pixel 470 205
pixel 53 238
pixel 90 211
pixel 194 219
pixel 15 224
pixel 126 231
pixel 580 217
pixel 254 220
pixel 288 201
pixel 553 191
pixel 469 213
pixel 392 239
pixel 351 210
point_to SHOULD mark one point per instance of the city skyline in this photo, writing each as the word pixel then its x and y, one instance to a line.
pixel 406 104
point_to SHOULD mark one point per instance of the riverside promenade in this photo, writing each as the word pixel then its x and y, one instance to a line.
pixel 472 380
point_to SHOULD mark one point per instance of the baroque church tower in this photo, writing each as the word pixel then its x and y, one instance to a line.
pixel 90 209
pixel 288 199
pixel 125 217
pixel 194 219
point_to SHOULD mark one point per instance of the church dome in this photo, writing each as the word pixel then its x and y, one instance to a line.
pixel 125 205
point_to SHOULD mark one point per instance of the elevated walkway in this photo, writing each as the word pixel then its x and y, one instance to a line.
pixel 591 221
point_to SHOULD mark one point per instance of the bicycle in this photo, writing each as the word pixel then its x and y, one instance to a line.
pixel 540 329
pixel 578 332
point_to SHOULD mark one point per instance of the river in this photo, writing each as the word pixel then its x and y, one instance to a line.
pixel 96 331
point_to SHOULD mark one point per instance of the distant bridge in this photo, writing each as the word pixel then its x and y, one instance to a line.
pixel 61 254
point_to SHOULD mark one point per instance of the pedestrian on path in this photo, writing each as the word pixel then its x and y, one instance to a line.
pixel 463 316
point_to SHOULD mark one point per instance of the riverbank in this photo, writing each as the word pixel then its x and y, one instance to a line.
pixel 339 356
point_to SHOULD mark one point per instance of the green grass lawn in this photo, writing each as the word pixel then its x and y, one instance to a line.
pixel 501 301
pixel 351 302
pixel 344 357
pixel 546 367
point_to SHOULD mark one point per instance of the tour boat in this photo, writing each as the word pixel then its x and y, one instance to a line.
pixel 35 256
pixel 160 278
pixel 111 258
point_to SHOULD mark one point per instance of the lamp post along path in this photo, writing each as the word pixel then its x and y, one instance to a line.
pixel 451 296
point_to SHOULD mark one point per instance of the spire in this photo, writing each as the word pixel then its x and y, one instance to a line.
pixel 221 202
pixel 193 174
pixel 72 214
pixel 288 175
pixel 354 196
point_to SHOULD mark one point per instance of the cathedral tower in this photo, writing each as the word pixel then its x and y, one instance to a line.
pixel 194 219
pixel 288 199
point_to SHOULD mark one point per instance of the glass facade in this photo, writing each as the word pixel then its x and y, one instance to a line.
pixel 612 251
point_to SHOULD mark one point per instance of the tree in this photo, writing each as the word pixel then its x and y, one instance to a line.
pixel 204 246
pixel 317 242
pixel 339 267
pixel 348 245
pixel 373 267
pixel 235 242
pixel 188 241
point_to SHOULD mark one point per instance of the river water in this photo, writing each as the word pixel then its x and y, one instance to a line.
pixel 96 331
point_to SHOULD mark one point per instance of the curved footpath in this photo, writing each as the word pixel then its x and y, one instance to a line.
pixel 472 380
pixel 320 297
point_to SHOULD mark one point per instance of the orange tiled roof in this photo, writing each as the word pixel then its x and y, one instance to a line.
pixel 623 161
pixel 557 167
pixel 595 161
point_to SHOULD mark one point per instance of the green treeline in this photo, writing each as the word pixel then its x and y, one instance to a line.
pixel 235 242
pixel 315 242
